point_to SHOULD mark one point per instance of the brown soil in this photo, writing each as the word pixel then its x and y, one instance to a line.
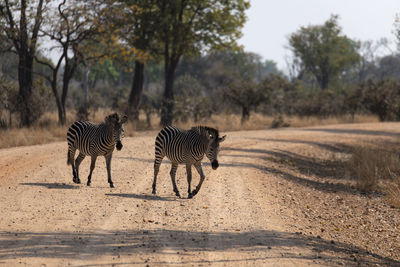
pixel 280 197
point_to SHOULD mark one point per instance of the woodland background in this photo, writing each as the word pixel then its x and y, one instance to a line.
pixel 178 61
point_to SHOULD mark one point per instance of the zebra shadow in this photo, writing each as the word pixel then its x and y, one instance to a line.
pixel 137 159
pixel 53 185
pixel 143 197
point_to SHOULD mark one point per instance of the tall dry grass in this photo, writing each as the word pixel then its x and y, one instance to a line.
pixel 377 169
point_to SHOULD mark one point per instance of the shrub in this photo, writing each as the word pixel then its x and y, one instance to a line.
pixel 382 98
pixel 375 169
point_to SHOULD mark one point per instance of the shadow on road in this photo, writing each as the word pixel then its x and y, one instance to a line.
pixel 326 146
pixel 145 197
pixel 53 185
pixel 135 244
pixel 303 167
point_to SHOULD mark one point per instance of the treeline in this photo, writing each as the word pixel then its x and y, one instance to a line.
pixel 180 59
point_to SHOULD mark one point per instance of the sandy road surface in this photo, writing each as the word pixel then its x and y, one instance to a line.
pixel 236 219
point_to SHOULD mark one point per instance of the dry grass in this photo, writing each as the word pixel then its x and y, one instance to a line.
pixel 47 129
pixel 296 121
pixel 393 194
pixel 232 122
pixel 32 136
pixel 377 169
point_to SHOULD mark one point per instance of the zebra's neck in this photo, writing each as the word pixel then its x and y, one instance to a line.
pixel 108 132
pixel 205 131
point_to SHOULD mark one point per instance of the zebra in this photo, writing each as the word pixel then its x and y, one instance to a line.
pixel 186 147
pixel 94 140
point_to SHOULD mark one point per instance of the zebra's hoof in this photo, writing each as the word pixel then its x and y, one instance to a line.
pixel 77 181
pixel 194 192
pixel 154 192
pixel 177 194
pixel 112 185
pixel 88 184
pixel 190 196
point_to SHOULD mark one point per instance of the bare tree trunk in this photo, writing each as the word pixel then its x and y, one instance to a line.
pixel 167 108
pixel 148 119
pixel 136 91
pixel 69 70
pixel 245 114
pixel 25 65
pixel 85 86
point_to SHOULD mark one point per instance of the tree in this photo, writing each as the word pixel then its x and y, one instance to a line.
pixel 191 27
pixel 244 94
pixel 388 67
pixel 137 29
pixel 75 28
pixel 323 50
pixel 21 21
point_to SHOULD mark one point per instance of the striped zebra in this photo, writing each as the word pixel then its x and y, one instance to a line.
pixel 94 140
pixel 186 147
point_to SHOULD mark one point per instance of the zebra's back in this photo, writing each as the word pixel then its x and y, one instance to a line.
pixel 88 138
pixel 178 145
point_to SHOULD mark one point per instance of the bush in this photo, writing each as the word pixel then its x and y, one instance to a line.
pixel 372 166
pixel 191 100
pixel 382 98
pixel 40 101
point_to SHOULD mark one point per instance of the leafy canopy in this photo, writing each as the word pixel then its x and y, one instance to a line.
pixel 323 50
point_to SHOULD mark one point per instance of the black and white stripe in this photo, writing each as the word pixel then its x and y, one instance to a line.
pixel 186 147
pixel 94 140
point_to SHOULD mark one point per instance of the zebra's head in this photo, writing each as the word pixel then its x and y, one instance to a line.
pixel 213 146
pixel 115 122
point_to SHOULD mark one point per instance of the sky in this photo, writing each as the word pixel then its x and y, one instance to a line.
pixel 270 22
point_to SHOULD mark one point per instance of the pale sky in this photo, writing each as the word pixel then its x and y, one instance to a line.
pixel 270 22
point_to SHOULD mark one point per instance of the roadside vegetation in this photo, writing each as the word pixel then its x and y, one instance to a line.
pixel 47 129
pixel 377 169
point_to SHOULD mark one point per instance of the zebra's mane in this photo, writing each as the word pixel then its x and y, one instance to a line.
pixel 202 129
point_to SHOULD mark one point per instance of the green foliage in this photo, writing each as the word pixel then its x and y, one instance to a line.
pixel 192 27
pixel 323 51
pixel 196 26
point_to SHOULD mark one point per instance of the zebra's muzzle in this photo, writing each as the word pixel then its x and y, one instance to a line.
pixel 119 145
pixel 214 164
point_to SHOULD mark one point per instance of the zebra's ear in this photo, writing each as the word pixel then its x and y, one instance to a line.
pixel 222 139
pixel 124 119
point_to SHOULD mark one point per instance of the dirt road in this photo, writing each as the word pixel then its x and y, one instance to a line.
pixel 247 212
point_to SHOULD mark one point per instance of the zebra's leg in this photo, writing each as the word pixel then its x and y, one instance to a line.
pixel 174 167
pixel 157 163
pixel 92 165
pixel 200 171
pixel 108 163
pixel 77 163
pixel 70 160
pixel 189 179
